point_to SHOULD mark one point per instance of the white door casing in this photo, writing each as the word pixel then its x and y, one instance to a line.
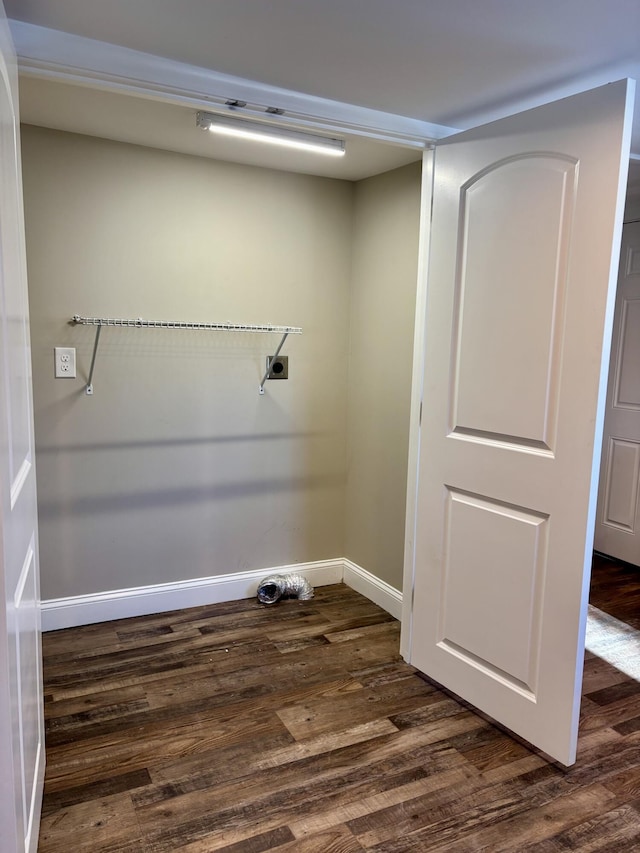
pixel 21 706
pixel 527 214
pixel 618 518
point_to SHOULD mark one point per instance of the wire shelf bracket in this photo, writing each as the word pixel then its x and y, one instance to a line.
pixel 139 323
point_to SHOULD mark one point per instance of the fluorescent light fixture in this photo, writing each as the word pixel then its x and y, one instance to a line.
pixel 259 132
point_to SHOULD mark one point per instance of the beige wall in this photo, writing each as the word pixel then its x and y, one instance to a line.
pixel 176 468
pixel 383 291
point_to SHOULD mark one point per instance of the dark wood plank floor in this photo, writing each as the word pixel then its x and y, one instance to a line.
pixel 299 729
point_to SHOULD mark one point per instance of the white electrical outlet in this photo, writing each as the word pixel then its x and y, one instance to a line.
pixel 65 362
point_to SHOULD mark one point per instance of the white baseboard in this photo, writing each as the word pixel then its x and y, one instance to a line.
pixel 140 601
pixel 158 598
pixel 376 590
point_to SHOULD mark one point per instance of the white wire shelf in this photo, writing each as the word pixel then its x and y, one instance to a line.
pixel 140 323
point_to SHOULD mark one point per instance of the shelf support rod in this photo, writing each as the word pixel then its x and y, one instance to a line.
pixel 89 389
pixel 270 362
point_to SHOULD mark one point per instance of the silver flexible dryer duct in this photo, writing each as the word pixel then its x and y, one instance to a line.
pixel 275 587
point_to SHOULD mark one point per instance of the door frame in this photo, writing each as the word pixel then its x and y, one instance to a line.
pixel 417 383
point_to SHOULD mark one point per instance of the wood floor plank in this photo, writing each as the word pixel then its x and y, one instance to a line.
pixel 242 687
pixel 231 761
pixel 310 761
pixel 502 823
pixel 240 728
pixel 445 810
pixel 344 812
pixel 616 692
pixel 107 824
pixel 597 716
pixel 546 821
pixel 313 718
pixel 93 759
pixel 336 840
pixel 346 769
pixel 628 727
pixel 246 700
pixel 91 702
pixel 205 840
pixel 346 775
pixel 274 839
pixel 513 769
pixel 192 818
pixel 615 830
pixel 599 674
pixel 327 742
pixel 625 784
pixel 360 632
pixel 596 741
pixel 56 800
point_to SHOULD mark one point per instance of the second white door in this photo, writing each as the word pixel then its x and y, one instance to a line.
pixel 618 519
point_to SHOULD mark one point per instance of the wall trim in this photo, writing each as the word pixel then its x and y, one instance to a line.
pixel 56 55
pixel 79 610
pixel 373 588
pixel 159 598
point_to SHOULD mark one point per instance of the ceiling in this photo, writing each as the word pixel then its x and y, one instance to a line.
pixel 451 62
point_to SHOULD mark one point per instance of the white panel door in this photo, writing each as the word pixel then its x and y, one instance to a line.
pixel 618 517
pixel 526 225
pixel 21 708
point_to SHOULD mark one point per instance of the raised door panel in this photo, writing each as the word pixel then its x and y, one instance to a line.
pixel 472 624
pixel 15 333
pixel 511 300
pixel 626 393
pixel 621 486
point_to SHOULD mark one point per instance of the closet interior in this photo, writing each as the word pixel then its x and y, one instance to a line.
pixel 176 469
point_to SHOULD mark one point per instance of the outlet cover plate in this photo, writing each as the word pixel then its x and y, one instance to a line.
pixel 278 367
pixel 65 362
